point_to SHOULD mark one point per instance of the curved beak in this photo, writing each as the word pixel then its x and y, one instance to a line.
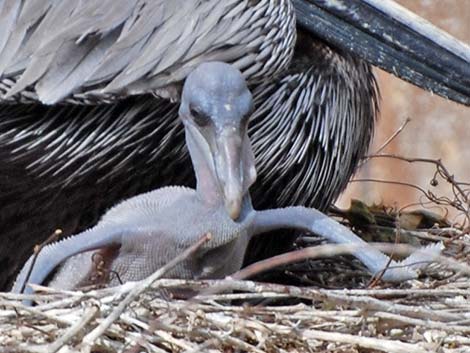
pixel 229 169
pixel 393 38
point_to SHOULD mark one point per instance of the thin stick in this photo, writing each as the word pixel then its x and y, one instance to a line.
pixel 437 162
pixel 195 332
pixel 363 302
pixel 425 323
pixel 37 249
pixel 326 250
pixel 409 292
pixel 382 345
pixel 140 286
pixel 34 311
pixel 394 135
pixel 203 347
pixel 377 278
pixel 312 252
pixel 88 315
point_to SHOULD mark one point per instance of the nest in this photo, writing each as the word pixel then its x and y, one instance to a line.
pixel 235 315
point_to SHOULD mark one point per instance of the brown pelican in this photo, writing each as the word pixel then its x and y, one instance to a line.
pixel 79 119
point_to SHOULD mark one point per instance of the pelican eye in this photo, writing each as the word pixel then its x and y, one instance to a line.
pixel 199 117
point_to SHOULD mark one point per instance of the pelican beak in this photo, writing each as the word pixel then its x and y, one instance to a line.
pixel 228 162
pixel 235 167
pixel 393 38
pixel 229 167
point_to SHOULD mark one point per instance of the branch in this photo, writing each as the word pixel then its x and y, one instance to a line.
pixel 139 287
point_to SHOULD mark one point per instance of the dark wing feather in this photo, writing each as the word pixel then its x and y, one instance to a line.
pixel 312 127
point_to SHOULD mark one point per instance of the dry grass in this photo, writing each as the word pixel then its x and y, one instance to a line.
pixel 427 315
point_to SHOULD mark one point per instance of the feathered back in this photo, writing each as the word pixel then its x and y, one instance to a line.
pixel 102 50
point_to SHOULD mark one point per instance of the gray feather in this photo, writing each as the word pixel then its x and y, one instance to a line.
pixel 119 47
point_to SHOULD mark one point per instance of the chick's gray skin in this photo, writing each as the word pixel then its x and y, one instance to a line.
pixel 143 233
